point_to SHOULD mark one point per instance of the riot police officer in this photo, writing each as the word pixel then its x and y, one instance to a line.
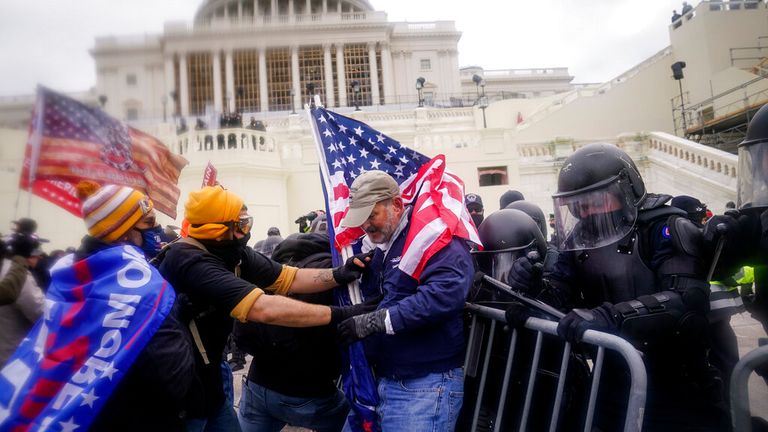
pixel 750 244
pixel 510 237
pixel 631 265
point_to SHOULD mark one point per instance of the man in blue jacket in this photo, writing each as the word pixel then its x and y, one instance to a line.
pixel 414 340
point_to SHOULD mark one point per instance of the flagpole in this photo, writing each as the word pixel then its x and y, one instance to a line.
pixel 353 288
pixel 35 140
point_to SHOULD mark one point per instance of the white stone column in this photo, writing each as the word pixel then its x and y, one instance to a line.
pixel 410 76
pixel 263 89
pixel 170 85
pixel 255 9
pixel 309 7
pixel 328 66
pixel 342 84
pixel 217 96
pixel 273 12
pixel 183 85
pixel 229 70
pixel 338 6
pixel 290 9
pixel 387 73
pixel 442 60
pixel 295 82
pixel 239 10
pixel 325 7
pixel 374 74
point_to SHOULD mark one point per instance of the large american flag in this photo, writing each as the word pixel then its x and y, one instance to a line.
pixel 70 141
pixel 348 148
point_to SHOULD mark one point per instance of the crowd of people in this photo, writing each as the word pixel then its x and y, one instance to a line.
pixel 662 272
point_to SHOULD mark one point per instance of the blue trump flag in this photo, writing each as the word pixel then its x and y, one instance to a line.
pixel 100 312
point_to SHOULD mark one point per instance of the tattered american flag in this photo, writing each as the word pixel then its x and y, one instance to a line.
pixel 70 141
pixel 348 148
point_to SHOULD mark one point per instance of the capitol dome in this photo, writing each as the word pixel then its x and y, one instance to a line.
pixel 251 9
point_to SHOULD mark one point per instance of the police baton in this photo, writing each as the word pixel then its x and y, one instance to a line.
pixel 721 229
pixel 537 304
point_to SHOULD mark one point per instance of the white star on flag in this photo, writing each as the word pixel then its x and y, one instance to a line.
pixel 69 425
pixel 89 398
pixel 109 371
pixel 359 131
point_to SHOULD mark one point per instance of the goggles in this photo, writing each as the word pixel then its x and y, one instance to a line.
pixel 242 225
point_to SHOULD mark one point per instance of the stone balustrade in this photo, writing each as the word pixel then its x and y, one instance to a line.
pixel 229 145
pixel 700 157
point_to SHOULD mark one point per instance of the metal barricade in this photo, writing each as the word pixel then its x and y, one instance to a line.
pixel 740 415
pixel 483 316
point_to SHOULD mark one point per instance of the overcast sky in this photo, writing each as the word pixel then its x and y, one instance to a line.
pixel 47 41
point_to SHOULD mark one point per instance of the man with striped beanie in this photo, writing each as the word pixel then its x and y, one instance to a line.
pixel 111 212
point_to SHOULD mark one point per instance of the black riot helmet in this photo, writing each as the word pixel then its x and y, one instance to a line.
pixel 753 163
pixel 533 211
pixel 507 235
pixel 599 190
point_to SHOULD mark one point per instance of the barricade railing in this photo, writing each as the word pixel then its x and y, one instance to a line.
pixel 740 414
pixel 481 315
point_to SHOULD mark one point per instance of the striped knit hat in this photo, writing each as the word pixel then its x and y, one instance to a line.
pixel 110 211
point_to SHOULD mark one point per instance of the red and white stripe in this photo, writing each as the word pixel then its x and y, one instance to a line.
pixel 438 215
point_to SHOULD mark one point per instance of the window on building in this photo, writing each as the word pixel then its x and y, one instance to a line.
pixel 200 73
pixel 311 71
pixel 279 79
pixel 246 68
pixel 130 79
pixel 426 64
pixel 132 114
pixel 357 68
pixel 492 176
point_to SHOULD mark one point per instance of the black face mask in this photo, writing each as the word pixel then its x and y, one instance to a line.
pixel 243 242
pixel 227 250
pixel 477 218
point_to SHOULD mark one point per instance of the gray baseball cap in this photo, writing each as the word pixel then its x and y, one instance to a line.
pixel 368 189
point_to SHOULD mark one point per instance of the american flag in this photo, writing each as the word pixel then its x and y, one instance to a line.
pixel 348 148
pixel 70 141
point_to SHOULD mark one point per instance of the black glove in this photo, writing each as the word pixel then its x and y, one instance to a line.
pixel 361 326
pixel 340 313
pixel 602 318
pixel 23 244
pixel 525 275
pixel 517 314
pixel 350 271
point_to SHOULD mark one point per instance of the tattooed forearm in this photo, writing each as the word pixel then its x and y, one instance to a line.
pixel 324 276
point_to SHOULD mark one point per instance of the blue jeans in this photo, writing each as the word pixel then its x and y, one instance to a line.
pixel 223 420
pixel 264 410
pixel 426 404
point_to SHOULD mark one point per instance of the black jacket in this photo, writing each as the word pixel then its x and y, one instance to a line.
pixel 297 362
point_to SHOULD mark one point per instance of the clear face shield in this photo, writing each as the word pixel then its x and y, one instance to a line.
pixel 594 218
pixel 753 176
pixel 498 264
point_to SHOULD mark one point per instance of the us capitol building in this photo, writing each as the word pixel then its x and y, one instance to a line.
pixel 499 129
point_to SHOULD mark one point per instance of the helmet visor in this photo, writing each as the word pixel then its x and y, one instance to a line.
pixel 753 176
pixel 594 218
pixel 501 263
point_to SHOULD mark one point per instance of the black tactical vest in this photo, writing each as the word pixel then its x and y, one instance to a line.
pixel 619 272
